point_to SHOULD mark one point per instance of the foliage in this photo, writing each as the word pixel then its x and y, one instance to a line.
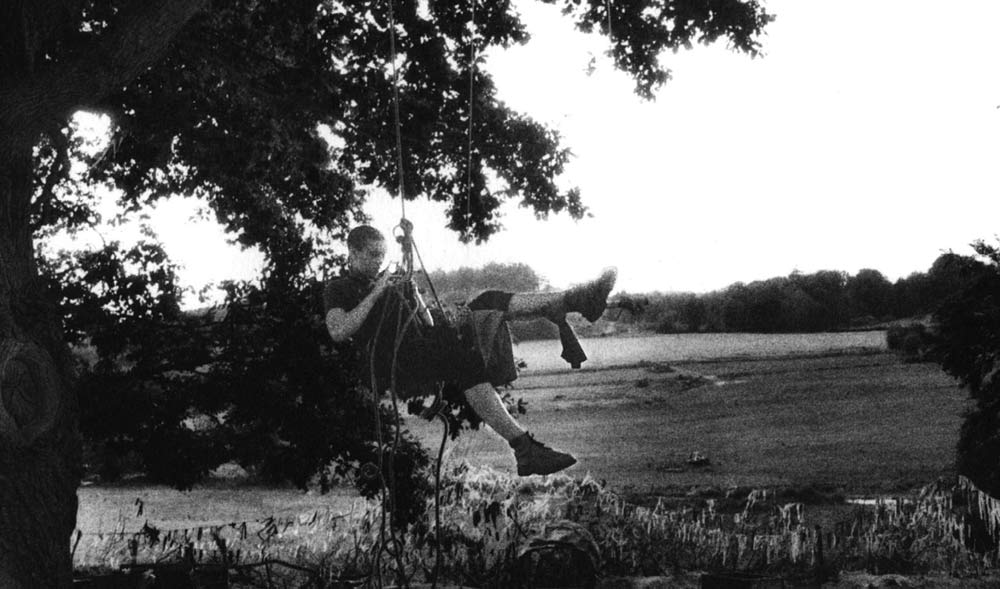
pixel 464 283
pixel 869 296
pixel 968 348
pixel 235 109
pixel 174 395
pixel 280 116
pixel 911 341
pixel 801 303
pixel 277 113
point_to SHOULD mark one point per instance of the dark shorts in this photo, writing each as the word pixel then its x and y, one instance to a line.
pixel 468 345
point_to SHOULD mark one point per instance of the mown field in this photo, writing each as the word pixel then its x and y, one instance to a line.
pixel 856 423
pixel 838 417
pixel 613 351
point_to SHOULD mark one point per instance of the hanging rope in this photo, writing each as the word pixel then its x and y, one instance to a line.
pixel 387 488
pixel 405 322
pixel 472 77
pixel 395 109
pixel 607 4
pixel 403 325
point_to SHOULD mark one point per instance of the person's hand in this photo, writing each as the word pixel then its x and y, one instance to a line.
pixel 383 280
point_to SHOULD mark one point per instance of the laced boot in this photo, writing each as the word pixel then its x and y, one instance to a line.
pixel 534 457
pixel 591 299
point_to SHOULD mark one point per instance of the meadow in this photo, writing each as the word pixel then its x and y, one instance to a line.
pixel 665 422
pixel 835 411
pixel 616 351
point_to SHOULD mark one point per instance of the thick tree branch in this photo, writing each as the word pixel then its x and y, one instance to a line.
pixel 139 37
pixel 57 171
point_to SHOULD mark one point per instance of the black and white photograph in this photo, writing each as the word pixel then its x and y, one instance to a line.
pixel 598 294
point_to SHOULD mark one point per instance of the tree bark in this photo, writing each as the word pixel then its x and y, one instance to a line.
pixel 39 439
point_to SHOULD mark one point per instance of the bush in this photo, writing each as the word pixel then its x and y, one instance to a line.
pixel 968 348
pixel 911 341
pixel 172 395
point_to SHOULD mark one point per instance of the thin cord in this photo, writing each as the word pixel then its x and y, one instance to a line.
pixel 430 283
pixel 383 498
pixel 388 491
pixel 608 10
pixel 472 74
pixel 437 496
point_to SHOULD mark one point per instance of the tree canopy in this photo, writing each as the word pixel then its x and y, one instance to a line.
pixel 278 114
pixel 232 110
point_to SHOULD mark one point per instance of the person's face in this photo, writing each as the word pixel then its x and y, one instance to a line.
pixel 367 261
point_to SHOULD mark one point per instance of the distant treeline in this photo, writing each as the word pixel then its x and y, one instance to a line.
pixel 464 283
pixel 827 300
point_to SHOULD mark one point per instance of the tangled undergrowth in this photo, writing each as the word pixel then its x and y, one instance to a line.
pixel 490 521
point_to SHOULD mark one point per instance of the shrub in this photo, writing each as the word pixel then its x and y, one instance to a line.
pixel 911 341
pixel 968 348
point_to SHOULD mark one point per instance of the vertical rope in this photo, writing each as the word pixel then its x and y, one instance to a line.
pixel 380 465
pixel 388 488
pixel 387 485
pixel 607 4
pixel 437 496
pixel 472 75
pixel 395 109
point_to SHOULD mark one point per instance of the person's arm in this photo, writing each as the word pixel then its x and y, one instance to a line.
pixel 342 325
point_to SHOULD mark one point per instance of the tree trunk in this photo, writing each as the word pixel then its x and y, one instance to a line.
pixel 39 438
pixel 39 435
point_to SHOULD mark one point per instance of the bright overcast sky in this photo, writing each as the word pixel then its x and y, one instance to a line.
pixel 868 136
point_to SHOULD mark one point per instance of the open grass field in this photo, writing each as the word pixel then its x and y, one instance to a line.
pixel 857 423
pixel 833 412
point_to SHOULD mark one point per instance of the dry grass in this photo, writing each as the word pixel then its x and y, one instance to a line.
pixel 489 518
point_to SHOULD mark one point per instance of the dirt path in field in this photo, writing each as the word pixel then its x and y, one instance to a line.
pixel 853 423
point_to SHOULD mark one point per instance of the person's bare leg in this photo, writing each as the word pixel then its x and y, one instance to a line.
pixel 485 401
pixel 532 456
pixel 588 299
pixel 535 304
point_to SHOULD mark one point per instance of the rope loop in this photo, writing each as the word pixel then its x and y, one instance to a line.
pixel 405 240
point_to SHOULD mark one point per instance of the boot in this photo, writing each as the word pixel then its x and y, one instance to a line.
pixel 534 457
pixel 591 299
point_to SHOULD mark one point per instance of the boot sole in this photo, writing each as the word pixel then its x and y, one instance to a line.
pixel 528 472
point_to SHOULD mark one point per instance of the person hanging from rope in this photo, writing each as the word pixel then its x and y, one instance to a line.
pixel 468 346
